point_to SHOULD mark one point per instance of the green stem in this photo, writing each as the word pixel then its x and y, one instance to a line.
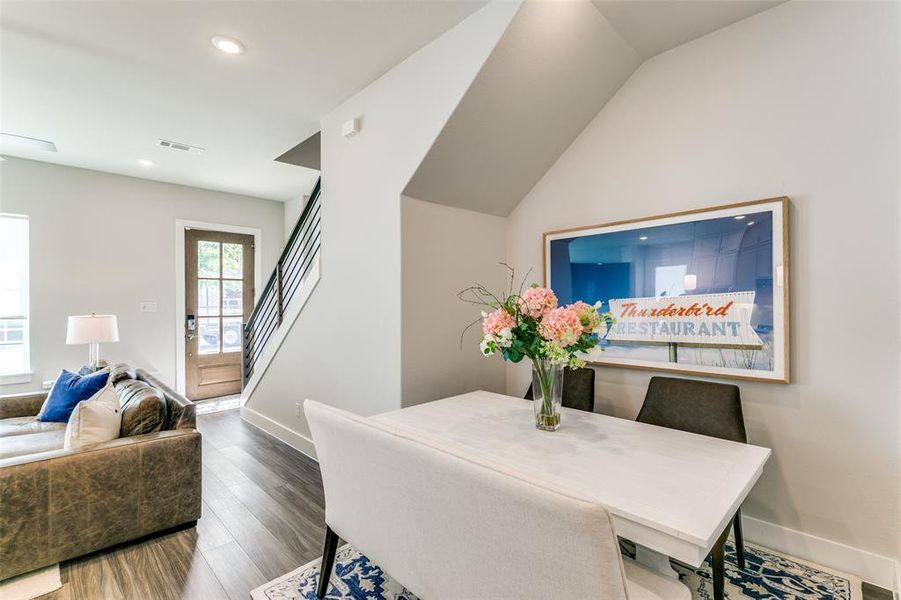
pixel 544 370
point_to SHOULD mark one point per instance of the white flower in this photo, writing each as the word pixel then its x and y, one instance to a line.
pixel 504 337
pixel 492 343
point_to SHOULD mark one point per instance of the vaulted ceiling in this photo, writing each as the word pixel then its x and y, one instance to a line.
pixel 553 70
pixel 655 26
pixel 105 80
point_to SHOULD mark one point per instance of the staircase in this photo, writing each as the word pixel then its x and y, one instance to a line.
pixel 295 263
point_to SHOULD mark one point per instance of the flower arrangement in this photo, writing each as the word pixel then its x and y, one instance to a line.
pixel 529 323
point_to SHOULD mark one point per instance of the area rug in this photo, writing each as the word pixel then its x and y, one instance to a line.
pixel 768 575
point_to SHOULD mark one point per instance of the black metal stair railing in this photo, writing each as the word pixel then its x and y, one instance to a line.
pixel 290 272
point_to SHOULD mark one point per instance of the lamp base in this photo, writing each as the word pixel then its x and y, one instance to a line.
pixel 95 363
pixel 88 369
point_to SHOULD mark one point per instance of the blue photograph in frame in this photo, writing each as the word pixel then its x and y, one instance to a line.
pixel 703 291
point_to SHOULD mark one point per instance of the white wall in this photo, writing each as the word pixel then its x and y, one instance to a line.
pixel 293 208
pixel 103 243
pixel 801 100
pixel 506 133
pixel 445 250
pixel 345 347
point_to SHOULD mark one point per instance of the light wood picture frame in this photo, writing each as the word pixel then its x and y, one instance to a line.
pixel 703 292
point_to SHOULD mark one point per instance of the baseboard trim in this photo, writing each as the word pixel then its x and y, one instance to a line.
pixel 299 442
pixel 897 588
pixel 31 585
pixel 872 568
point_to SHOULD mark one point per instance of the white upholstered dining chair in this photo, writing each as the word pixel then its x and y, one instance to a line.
pixel 451 526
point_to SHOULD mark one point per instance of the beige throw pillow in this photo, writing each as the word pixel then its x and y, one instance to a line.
pixel 94 420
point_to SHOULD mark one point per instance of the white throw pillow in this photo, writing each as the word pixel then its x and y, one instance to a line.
pixel 94 420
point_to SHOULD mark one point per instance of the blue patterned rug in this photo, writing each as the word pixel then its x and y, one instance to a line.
pixel 768 575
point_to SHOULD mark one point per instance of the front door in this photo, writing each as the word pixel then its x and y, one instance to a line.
pixel 218 300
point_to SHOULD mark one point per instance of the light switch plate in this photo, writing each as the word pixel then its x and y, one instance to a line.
pixel 48 384
pixel 149 307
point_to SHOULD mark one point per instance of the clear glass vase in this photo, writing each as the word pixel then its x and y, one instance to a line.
pixel 547 390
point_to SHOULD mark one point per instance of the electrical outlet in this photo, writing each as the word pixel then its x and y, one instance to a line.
pixel 298 409
pixel 48 384
pixel 148 307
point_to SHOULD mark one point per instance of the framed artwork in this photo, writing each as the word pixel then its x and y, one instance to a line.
pixel 703 292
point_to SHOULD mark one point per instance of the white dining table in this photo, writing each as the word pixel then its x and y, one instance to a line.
pixel 672 493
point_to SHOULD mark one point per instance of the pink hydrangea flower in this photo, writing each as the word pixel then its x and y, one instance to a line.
pixel 496 322
pixel 561 325
pixel 536 302
pixel 588 315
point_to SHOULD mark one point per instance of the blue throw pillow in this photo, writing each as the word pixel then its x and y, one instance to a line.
pixel 68 390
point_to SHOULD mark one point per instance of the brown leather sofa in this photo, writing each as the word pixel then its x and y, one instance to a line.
pixel 57 504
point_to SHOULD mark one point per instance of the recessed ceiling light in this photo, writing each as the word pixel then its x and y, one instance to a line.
pixel 643 238
pixel 739 217
pixel 226 44
pixel 146 163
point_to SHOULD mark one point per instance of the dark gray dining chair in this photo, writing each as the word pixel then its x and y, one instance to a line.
pixel 705 408
pixel 578 389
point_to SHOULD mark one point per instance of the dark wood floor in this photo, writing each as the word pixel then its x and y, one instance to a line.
pixel 263 515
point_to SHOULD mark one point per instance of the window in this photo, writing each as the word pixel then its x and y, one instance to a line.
pixel 670 280
pixel 14 356
pixel 220 296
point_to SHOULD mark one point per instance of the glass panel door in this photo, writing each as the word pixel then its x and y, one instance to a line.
pixel 218 268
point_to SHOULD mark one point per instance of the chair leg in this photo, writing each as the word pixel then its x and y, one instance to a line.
pixel 739 541
pixel 328 561
pixel 719 566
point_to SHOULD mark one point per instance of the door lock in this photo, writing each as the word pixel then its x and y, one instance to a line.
pixel 190 327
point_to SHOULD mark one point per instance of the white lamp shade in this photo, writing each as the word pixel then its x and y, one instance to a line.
pixel 92 329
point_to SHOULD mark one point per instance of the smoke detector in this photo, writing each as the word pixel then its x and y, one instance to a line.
pixel 180 146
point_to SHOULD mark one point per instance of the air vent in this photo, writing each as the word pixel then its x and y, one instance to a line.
pixel 25 143
pixel 180 147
